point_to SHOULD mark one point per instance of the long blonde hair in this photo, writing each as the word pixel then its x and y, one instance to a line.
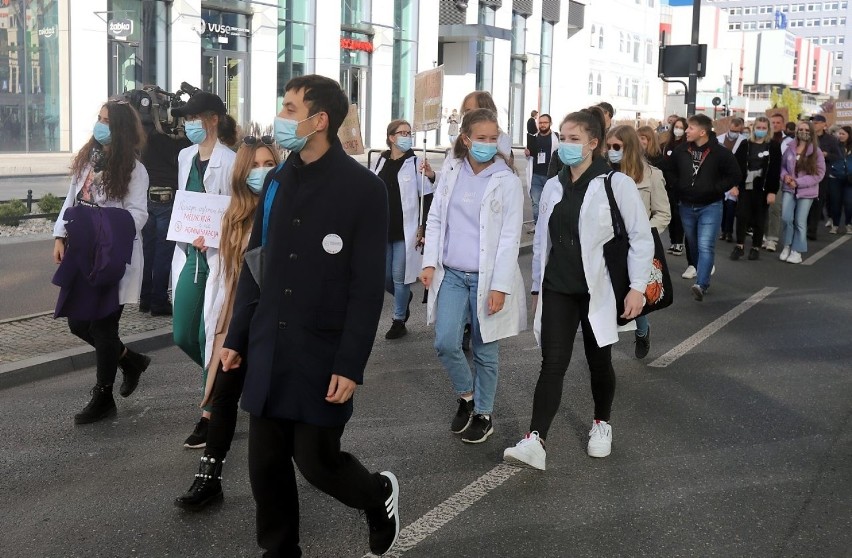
pixel 649 134
pixel 238 219
pixel 633 161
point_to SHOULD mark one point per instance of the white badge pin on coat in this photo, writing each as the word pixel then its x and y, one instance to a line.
pixel 332 243
pixel 495 206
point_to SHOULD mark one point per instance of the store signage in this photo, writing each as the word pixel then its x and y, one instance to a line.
pixel 219 29
pixel 354 44
pixel 47 32
pixel 120 28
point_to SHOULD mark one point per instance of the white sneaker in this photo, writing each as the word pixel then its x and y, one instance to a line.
pixel 794 258
pixel 785 253
pixel 713 270
pixel 849 229
pixel 527 453
pixel 828 223
pixel 600 439
pixel 832 230
pixel 690 272
pixel 771 245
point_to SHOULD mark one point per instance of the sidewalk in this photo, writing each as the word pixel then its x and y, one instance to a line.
pixel 38 346
pixel 34 164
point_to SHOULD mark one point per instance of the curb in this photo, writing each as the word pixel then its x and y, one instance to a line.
pixel 77 358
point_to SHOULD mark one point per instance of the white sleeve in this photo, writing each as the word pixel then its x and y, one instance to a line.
pixel 136 200
pixel 59 227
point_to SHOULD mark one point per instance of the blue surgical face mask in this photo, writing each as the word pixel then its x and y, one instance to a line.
pixel 483 152
pixel 195 131
pixel 255 179
pixel 285 133
pixel 403 143
pixel 614 156
pixel 101 133
pixel 760 134
pixel 571 153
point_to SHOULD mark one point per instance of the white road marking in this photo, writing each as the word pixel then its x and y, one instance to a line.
pixel 825 251
pixel 711 328
pixel 446 511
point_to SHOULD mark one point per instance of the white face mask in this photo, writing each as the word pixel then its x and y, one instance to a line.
pixel 678 132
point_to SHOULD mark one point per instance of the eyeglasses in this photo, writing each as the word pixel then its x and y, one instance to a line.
pixel 265 140
pixel 614 146
pixel 403 133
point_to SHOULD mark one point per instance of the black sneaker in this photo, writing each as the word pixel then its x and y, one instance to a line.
pixel 101 406
pixel 466 339
pixel 463 416
pixel 643 344
pixel 384 521
pixel 676 250
pixel 165 310
pixel 698 293
pixel 754 254
pixel 737 253
pixel 396 330
pixel 198 438
pixel 479 430
pixel 144 307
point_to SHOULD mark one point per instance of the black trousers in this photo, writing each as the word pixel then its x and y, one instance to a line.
pixel 273 447
pixel 103 336
pixel 815 214
pixel 560 316
pixel 751 212
pixel 225 399
pixel 675 226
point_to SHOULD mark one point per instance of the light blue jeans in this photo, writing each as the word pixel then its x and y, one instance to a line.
pixel 700 226
pixel 794 221
pixel 536 188
pixel 395 278
pixel 455 304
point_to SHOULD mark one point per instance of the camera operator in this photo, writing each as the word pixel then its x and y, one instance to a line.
pixel 160 158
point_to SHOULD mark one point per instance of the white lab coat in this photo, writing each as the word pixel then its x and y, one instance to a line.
pixel 595 231
pixel 217 180
pixel 501 219
pixel 554 147
pixel 410 193
pixel 136 202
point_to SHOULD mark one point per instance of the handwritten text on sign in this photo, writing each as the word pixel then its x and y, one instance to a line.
pixel 196 214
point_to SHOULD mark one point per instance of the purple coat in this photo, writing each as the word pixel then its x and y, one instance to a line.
pixel 807 184
pixel 100 246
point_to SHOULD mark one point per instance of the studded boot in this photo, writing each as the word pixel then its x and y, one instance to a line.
pixel 101 406
pixel 132 364
pixel 207 487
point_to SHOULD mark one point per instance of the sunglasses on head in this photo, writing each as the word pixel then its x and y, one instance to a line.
pixel 614 146
pixel 265 140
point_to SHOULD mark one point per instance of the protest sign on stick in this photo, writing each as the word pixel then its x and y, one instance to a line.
pixel 350 132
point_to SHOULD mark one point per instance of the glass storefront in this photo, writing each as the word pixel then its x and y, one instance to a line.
pixel 404 57
pixel 546 65
pixel 296 33
pixel 138 44
pixel 31 53
pixel 224 60
pixel 355 49
pixel 517 72
pixel 485 51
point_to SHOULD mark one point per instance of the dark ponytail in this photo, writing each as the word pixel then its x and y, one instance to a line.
pixel 226 130
pixel 592 121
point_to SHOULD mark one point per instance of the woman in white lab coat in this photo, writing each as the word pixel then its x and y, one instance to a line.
pixel 205 167
pixel 470 266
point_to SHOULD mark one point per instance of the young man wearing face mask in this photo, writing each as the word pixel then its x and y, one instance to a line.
pixel 306 334
pixel 735 141
pixel 538 160
pixel 705 170
pixel 831 151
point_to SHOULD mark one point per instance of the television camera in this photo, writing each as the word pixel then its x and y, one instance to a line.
pixel 154 105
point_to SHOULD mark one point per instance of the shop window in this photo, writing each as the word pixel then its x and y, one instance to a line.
pixel 546 65
pixel 404 57
pixel 295 42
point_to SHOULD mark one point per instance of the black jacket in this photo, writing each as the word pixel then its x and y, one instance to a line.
pixel 718 173
pixel 319 309
pixel 770 180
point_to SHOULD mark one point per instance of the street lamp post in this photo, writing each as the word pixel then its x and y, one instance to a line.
pixel 692 90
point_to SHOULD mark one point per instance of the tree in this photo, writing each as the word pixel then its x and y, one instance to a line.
pixel 789 99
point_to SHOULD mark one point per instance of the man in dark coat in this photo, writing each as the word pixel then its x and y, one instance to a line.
pixel 532 131
pixel 830 147
pixel 705 170
pixel 307 332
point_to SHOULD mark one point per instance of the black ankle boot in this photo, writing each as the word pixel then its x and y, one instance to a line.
pixel 207 487
pixel 101 406
pixel 132 365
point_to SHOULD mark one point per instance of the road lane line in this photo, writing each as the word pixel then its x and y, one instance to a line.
pixel 446 511
pixel 825 251
pixel 711 328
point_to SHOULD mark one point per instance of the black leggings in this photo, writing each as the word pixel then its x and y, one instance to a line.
pixel 751 212
pixel 273 447
pixel 103 336
pixel 560 316
pixel 225 399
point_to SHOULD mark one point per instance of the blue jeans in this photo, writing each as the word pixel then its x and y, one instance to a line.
pixel 700 226
pixel 395 278
pixel 642 326
pixel 456 302
pixel 536 188
pixel 839 201
pixel 794 221
pixel 158 254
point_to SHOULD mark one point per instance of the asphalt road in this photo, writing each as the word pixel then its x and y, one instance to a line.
pixel 26 269
pixel 741 447
pixel 15 187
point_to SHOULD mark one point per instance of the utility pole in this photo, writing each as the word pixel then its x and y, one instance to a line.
pixel 692 90
pixel 730 90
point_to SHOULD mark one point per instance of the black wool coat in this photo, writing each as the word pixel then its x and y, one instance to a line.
pixel 323 289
